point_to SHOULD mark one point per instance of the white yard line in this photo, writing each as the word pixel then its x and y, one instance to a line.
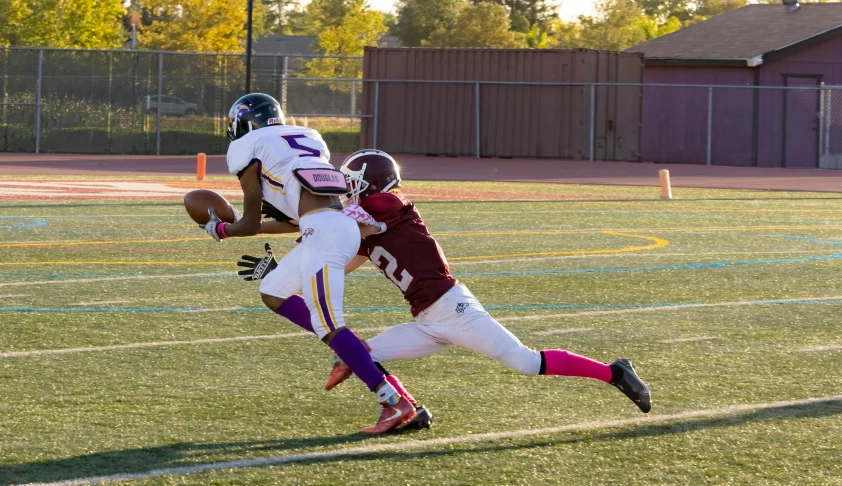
pixel 43 352
pixel 156 344
pixel 413 445
pixel 9 296
pixel 663 308
pixel 564 331
pixel 102 302
pixel 107 279
pixel 821 348
pixel 689 339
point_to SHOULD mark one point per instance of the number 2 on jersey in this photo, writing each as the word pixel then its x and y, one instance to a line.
pixel 292 141
pixel 391 267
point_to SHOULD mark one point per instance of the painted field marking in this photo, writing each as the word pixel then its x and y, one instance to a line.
pixel 666 308
pixel 109 279
pixel 689 339
pixel 635 255
pixel 821 348
pixel 9 296
pixel 412 445
pixel 158 344
pixel 656 243
pixel 102 302
pixel 563 331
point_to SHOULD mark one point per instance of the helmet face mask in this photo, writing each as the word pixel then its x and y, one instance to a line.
pixel 253 111
pixel 356 182
pixel 369 172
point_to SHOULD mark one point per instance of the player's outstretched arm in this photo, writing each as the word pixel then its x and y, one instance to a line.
pixel 249 224
pixel 355 263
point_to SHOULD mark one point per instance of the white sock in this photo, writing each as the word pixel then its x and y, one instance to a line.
pixel 387 394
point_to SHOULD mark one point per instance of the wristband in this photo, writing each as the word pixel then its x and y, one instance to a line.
pixel 220 230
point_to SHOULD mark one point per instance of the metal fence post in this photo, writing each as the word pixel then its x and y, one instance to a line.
pixel 593 123
pixel 353 101
pixel 376 111
pixel 38 101
pixel 710 125
pixel 822 94
pixel 476 94
pixel 160 93
pixel 284 71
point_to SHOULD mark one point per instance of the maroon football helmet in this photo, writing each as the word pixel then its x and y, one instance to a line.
pixel 369 172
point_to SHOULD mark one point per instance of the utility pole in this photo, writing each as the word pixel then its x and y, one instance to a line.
pixel 248 46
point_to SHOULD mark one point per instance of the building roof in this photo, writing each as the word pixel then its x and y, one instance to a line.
pixel 746 36
pixel 301 44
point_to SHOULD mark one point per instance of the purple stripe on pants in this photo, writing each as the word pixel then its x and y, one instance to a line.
pixel 320 288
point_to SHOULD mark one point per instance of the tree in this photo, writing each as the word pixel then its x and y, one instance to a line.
pixel 196 25
pixel 480 25
pixel 360 27
pixel 88 24
pixel 618 25
pixel 324 14
pixel 525 14
pixel 417 20
pixel 566 35
pixel 278 16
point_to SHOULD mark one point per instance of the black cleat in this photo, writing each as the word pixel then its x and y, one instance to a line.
pixel 423 419
pixel 627 381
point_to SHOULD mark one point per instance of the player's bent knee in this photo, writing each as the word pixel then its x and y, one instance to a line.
pixel 521 359
pixel 271 301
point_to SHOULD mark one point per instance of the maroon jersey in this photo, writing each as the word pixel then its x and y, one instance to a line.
pixel 406 253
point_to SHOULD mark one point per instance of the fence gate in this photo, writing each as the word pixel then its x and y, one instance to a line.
pixel 20 76
pixel 830 127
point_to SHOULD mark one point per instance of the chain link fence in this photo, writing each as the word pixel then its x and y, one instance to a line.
pixel 144 102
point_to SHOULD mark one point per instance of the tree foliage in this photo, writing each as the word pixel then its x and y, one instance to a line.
pixel 196 25
pixel 525 14
pixel 358 28
pixel 480 25
pixel 417 20
pixel 90 24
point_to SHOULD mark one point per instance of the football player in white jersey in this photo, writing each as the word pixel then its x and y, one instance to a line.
pixel 289 167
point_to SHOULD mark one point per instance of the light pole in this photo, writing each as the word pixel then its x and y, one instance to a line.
pixel 250 9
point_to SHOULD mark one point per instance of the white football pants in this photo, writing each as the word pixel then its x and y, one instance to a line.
pixel 329 240
pixel 457 318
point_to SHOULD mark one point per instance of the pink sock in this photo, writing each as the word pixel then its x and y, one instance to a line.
pixel 395 382
pixel 564 363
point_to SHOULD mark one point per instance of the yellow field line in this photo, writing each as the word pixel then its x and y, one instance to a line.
pixel 657 243
pixel 113 242
pixel 231 262
pixel 478 233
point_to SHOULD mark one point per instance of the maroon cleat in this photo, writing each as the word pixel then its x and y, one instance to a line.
pixel 340 373
pixel 392 416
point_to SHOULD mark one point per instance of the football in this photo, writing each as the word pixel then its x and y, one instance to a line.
pixel 197 203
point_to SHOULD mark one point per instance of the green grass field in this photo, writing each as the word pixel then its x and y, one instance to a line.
pixel 721 298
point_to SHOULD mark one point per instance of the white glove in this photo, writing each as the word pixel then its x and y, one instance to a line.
pixel 237 215
pixel 360 215
pixel 212 226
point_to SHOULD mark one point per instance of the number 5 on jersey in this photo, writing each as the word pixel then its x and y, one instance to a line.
pixel 391 266
pixel 292 141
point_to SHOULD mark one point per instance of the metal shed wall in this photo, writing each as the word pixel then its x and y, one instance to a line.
pixel 515 120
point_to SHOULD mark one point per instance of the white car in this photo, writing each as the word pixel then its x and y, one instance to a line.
pixel 170 105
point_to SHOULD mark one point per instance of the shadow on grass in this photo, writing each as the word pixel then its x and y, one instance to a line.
pixel 182 454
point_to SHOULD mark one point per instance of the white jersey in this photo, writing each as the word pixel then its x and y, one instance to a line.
pixel 278 150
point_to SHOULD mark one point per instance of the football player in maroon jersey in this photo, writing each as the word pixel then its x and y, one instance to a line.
pixel 446 312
